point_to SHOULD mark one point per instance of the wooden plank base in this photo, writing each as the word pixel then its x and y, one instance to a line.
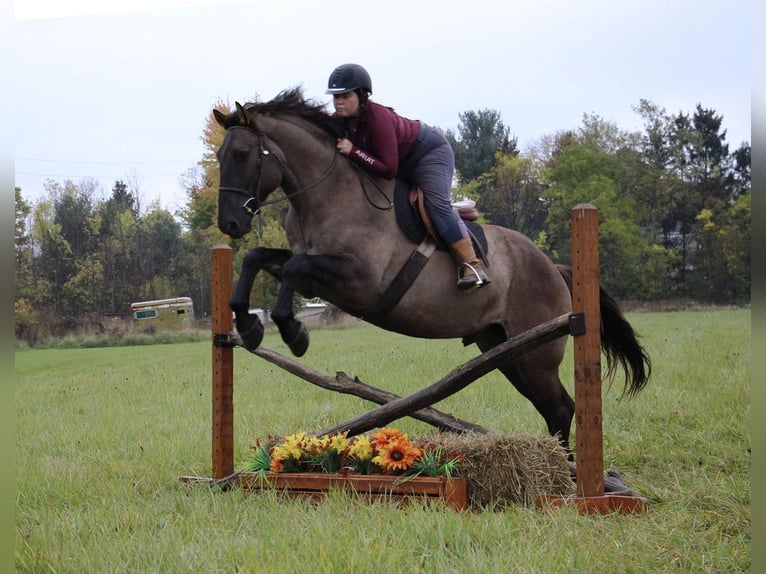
pixel 604 504
pixel 372 487
pixel 454 491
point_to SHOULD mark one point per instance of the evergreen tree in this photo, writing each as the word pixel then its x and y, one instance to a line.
pixel 481 135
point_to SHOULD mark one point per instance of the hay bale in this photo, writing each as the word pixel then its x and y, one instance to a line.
pixel 509 468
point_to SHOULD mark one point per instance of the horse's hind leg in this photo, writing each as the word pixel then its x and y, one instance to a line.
pixel 536 376
pixel 544 390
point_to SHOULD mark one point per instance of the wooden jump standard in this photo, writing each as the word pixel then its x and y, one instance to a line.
pixel 583 324
pixel 589 449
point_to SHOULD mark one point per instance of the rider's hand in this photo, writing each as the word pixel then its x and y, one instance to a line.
pixel 343 145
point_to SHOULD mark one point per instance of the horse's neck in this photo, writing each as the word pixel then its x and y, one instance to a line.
pixel 332 204
pixel 318 176
pixel 297 137
pixel 309 153
pixel 345 197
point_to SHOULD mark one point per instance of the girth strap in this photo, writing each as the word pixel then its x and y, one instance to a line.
pixel 402 282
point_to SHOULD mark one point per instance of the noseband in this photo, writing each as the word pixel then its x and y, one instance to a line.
pixel 252 196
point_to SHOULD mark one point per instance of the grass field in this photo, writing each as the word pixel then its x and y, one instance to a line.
pixel 104 433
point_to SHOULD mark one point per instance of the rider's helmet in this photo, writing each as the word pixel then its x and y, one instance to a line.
pixel 347 78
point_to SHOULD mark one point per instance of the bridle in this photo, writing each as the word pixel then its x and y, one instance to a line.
pixel 252 192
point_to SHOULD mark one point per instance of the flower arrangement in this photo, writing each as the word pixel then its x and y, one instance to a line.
pixel 388 451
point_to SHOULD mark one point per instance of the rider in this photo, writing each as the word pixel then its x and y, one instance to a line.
pixel 387 144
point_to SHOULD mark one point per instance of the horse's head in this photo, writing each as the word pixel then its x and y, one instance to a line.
pixel 252 166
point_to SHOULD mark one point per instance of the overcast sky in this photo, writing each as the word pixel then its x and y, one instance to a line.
pixel 117 89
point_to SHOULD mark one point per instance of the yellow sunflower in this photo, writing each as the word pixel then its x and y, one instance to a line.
pixel 400 454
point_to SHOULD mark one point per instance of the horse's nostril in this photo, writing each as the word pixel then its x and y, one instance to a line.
pixel 230 227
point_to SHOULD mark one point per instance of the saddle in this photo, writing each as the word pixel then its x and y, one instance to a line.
pixel 415 223
pixel 465 209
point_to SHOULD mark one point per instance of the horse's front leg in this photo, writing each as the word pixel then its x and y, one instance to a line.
pixel 249 326
pixel 302 272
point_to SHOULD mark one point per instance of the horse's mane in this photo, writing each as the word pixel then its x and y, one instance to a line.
pixel 292 102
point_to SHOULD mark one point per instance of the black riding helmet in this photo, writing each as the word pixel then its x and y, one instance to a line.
pixel 347 78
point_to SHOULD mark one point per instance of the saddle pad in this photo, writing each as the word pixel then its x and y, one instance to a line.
pixel 412 226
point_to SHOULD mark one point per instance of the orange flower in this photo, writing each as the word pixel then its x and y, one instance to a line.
pixel 398 455
pixel 277 464
pixel 384 436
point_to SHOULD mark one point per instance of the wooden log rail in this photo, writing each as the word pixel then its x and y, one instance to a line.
pixel 344 384
pixel 458 378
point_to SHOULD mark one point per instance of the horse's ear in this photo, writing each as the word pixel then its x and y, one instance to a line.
pixel 220 117
pixel 244 115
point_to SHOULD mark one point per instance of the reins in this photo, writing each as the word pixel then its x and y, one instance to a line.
pixel 263 151
pixel 360 173
pixel 253 196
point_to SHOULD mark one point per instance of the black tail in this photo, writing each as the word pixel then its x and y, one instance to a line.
pixel 619 341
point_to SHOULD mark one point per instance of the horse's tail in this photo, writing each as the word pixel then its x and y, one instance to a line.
pixel 619 341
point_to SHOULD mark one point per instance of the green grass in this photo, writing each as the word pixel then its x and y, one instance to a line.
pixel 104 433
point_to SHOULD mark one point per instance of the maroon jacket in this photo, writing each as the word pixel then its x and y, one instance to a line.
pixel 382 139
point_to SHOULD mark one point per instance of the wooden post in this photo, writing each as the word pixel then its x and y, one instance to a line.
pixel 223 363
pixel 589 451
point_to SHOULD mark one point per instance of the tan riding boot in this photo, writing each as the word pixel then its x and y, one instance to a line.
pixel 470 273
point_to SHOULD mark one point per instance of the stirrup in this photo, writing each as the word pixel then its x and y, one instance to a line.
pixel 473 281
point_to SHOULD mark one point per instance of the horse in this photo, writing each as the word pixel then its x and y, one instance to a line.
pixel 346 247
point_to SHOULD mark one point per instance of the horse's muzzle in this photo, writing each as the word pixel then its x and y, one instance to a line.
pixel 233 228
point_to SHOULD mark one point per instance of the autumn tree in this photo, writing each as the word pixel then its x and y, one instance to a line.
pixel 512 194
pixel 23 259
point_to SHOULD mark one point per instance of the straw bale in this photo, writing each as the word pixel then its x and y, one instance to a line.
pixel 505 469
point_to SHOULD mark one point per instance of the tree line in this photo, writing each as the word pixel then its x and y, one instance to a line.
pixel 673 201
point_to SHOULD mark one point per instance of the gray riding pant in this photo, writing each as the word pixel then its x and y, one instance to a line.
pixel 431 166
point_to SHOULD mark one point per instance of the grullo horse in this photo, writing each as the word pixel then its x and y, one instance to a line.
pixel 347 247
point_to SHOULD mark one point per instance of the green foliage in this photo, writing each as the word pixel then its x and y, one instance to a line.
pixel 722 258
pixel 79 296
pixel 510 194
pixel 436 462
pixel 260 463
pixel 654 283
pixel 22 211
pixel 481 135
pixel 582 175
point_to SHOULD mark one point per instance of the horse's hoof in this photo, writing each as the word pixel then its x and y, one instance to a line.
pixel 251 333
pixel 613 484
pixel 300 342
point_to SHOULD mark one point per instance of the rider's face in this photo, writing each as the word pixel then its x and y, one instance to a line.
pixel 346 105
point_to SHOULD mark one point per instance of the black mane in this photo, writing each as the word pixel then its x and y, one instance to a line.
pixel 292 102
